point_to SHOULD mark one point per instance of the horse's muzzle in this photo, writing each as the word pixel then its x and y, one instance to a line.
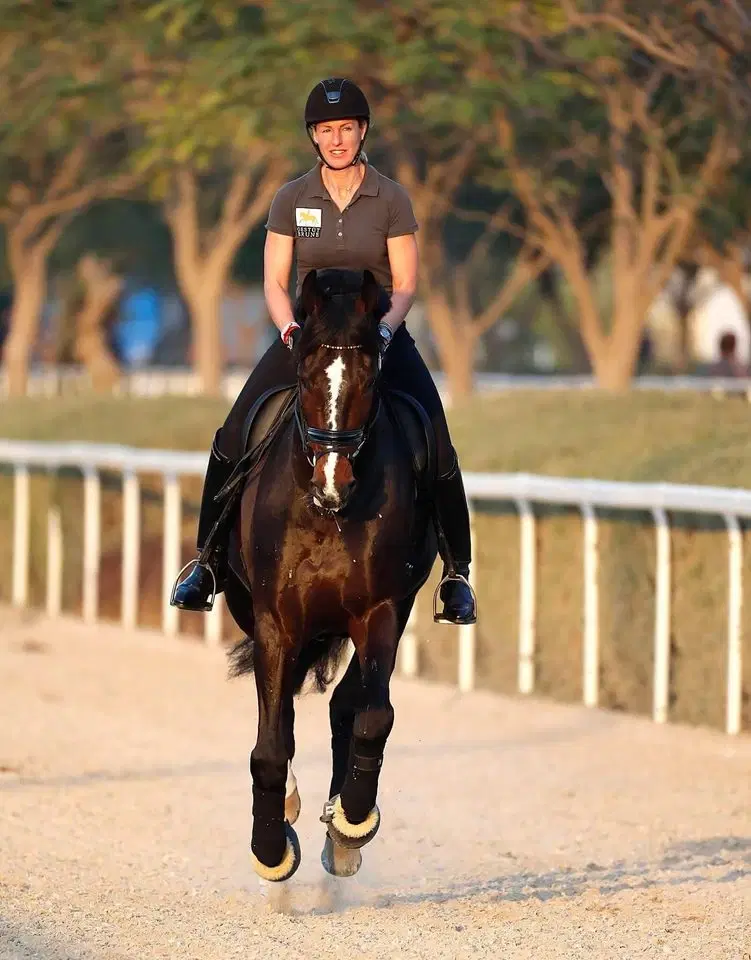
pixel 333 482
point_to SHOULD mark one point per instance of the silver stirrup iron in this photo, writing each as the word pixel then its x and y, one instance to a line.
pixel 190 564
pixel 438 617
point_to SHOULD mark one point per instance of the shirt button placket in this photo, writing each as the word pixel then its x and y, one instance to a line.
pixel 340 232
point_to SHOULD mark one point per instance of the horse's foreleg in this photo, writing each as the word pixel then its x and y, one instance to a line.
pixel 353 817
pixel 343 706
pixel 274 845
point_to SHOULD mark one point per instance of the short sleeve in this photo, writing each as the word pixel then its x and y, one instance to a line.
pixel 401 215
pixel 281 217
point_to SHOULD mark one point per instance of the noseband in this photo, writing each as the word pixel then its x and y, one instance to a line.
pixel 345 442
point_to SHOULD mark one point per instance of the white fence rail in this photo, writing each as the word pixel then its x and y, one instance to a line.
pixel 522 490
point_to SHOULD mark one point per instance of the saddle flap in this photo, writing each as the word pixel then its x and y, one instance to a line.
pixel 417 430
pixel 264 414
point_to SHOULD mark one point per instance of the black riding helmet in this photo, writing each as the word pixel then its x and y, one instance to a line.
pixel 336 99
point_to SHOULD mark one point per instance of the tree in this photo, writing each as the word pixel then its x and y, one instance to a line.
pixel 709 40
pixel 585 104
pixel 62 144
pixel 408 58
pixel 217 137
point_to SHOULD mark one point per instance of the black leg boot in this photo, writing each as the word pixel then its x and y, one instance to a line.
pixel 198 590
pixel 452 515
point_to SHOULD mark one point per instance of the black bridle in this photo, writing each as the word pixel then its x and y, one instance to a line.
pixel 347 443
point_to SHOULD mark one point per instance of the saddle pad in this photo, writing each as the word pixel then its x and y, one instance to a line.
pixel 263 415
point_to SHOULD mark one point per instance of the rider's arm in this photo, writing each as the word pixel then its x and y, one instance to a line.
pixel 403 260
pixel 277 263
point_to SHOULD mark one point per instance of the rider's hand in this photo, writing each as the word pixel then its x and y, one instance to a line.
pixel 290 334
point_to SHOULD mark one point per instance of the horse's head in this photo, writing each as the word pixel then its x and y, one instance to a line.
pixel 338 361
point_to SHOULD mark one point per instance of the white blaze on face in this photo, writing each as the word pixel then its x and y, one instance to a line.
pixel 335 374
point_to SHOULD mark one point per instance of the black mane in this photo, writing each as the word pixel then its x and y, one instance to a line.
pixel 337 321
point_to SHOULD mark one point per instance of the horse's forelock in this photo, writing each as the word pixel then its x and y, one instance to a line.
pixel 339 321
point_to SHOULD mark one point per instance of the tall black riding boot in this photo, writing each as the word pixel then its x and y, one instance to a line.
pixel 198 590
pixel 452 514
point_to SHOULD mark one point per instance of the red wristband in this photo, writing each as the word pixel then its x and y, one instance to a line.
pixel 287 331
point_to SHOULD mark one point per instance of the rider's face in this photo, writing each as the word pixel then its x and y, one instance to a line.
pixel 338 141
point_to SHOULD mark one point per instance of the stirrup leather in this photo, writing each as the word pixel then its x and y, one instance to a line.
pixel 439 617
pixel 196 562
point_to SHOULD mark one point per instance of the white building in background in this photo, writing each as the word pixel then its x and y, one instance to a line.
pixel 716 310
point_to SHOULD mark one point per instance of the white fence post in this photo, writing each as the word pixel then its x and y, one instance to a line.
pixel 468 632
pixel 92 543
pixel 21 534
pixel 171 551
pixel 734 704
pixel 524 490
pixel 591 666
pixel 212 624
pixel 54 603
pixel 408 653
pixel 527 596
pixel 131 547
pixel 661 681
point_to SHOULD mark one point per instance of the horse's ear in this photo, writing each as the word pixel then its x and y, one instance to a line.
pixel 311 294
pixel 369 291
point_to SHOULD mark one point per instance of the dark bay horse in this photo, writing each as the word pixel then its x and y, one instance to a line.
pixel 336 539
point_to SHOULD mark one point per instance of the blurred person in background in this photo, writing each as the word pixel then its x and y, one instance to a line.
pixel 728 364
pixel 342 214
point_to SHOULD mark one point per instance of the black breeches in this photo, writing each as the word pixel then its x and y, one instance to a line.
pixel 275 369
pixel 403 368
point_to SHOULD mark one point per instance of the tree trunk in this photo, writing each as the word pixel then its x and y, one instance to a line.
pixel 568 330
pixel 205 316
pixel 614 369
pixel 102 289
pixel 456 348
pixel 29 268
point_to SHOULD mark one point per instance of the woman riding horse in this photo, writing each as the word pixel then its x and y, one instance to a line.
pixel 341 214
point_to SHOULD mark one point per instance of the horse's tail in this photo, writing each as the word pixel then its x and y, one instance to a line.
pixel 319 657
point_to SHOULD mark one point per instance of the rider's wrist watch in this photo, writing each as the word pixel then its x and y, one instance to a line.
pixel 386 333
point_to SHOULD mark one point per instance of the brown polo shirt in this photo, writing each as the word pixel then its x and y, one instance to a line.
pixel 352 239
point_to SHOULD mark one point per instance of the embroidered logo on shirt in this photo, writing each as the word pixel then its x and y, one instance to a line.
pixel 308 221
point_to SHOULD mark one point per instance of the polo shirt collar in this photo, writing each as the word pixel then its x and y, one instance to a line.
pixel 368 188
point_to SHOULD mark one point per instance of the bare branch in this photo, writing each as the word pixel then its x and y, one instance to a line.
pixel 36 215
pixel 276 173
pixel 527 267
pixel 679 220
pixel 677 55
pixel 236 196
pixel 70 170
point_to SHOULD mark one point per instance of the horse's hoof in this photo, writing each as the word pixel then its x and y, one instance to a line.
pixel 289 862
pixel 352 836
pixel 338 860
pixel 292 807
